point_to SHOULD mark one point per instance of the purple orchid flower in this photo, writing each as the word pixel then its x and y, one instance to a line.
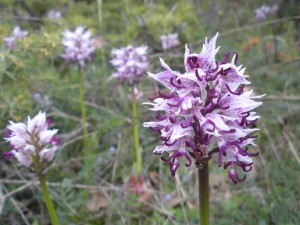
pixel 78 45
pixel 205 106
pixel 31 140
pixel 169 41
pixel 264 12
pixel 130 63
pixel 17 34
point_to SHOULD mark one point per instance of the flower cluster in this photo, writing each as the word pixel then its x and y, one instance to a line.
pixel 78 45
pixel 32 141
pixel 264 12
pixel 17 34
pixel 169 41
pixel 205 106
pixel 130 63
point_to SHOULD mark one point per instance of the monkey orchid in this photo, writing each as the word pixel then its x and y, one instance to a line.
pixel 203 107
pixel 130 65
pixel 33 145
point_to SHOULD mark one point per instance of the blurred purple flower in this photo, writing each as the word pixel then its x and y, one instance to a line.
pixel 32 140
pixel 78 45
pixel 138 94
pixel 264 12
pixel 112 149
pixel 168 197
pixel 169 41
pixel 17 33
pixel 54 14
pixel 205 105
pixel 130 63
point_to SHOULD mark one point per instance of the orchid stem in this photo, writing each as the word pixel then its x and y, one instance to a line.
pixel 82 106
pixel 138 156
pixel 48 199
pixel 203 176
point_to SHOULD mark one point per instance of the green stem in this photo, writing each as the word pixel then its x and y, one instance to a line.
pixel 138 155
pixel 203 176
pixel 82 106
pixel 48 200
pixel 100 17
pixel 87 158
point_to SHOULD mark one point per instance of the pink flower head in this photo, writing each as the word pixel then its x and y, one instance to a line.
pixel 205 106
pixel 169 41
pixel 78 44
pixel 31 140
pixel 130 63
pixel 17 33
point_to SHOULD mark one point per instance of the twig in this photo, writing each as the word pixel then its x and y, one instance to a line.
pixel 16 190
pixel 179 190
pixel 276 97
pixel 107 186
pixel 17 207
pixel 292 148
pixel 271 141
pixel 107 110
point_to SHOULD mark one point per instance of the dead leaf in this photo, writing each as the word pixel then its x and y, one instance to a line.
pixel 154 178
pixel 97 201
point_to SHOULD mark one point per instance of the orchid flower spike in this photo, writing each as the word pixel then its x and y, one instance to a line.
pixel 169 41
pixel 31 142
pixel 130 63
pixel 78 44
pixel 205 106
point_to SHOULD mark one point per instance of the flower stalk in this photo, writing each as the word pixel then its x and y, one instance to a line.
pixel 203 179
pixel 47 198
pixel 82 105
pixel 135 124
pixel 130 64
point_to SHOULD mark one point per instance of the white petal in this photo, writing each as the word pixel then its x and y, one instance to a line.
pixel 23 159
pixel 46 136
pixel 48 153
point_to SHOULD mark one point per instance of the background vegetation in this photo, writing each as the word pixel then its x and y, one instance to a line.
pixel 34 77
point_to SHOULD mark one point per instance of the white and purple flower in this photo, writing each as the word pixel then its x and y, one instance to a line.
pixel 54 14
pixel 169 41
pixel 17 34
pixel 31 141
pixel 78 44
pixel 203 107
pixel 130 63
pixel 264 12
